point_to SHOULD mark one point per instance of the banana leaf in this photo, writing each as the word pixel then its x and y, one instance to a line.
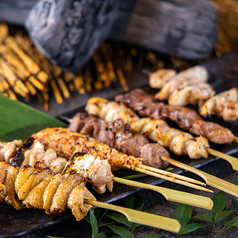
pixel 19 121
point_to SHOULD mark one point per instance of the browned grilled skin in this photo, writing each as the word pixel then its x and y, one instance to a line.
pixel 118 134
pixel 67 143
pixel 146 106
pixel 212 131
pixel 41 189
pixel 186 118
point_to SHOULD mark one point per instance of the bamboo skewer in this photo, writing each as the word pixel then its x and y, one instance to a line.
pixel 144 218
pixel 172 174
pixel 236 139
pixel 170 194
pixel 210 179
pixel 232 160
pixel 172 179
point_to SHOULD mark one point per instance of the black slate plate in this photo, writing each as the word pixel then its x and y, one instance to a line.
pixel 223 75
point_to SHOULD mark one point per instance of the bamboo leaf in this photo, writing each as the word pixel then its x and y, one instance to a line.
pixel 19 121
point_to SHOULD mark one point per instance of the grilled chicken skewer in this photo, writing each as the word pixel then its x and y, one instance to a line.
pixel 42 189
pixel 66 143
pixel 151 129
pixel 94 170
pixel 185 118
pixel 118 135
pixel 157 130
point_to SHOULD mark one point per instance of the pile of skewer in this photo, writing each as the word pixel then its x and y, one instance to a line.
pixel 25 72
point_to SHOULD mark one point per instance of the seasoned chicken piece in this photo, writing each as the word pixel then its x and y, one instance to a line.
pixel 192 94
pixel 197 147
pixel 192 76
pixel 212 131
pixel 160 77
pixel 33 153
pixel 8 150
pixel 230 111
pixel 67 143
pixel 7 191
pixel 63 191
pixel 97 172
pixel 50 191
pixel 34 198
pixel 77 201
pixel 223 104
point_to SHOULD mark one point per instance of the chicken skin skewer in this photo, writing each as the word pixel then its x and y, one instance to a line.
pixel 157 130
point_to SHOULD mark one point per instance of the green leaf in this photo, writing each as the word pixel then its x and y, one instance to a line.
pixel 104 223
pixel 94 223
pixel 19 121
pixel 223 215
pixel 120 219
pixel 204 217
pixel 156 213
pixel 134 202
pixel 106 234
pixel 190 227
pixel 231 222
pixel 152 236
pixel 219 201
pixel 183 214
pixel 122 232
pixel 87 218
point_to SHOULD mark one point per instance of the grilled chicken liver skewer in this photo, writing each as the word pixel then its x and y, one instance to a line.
pixel 186 118
pixel 118 134
pixel 156 130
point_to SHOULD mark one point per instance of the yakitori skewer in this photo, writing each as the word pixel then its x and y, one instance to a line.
pixel 210 179
pixel 97 172
pixel 42 189
pixel 68 143
pixel 186 118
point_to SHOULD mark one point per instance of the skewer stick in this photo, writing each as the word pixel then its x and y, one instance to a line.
pixel 232 160
pixel 170 194
pixel 236 139
pixel 172 179
pixel 144 218
pixel 181 177
pixel 210 179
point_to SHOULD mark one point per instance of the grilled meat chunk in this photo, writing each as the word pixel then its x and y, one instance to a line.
pixel 224 104
pixel 146 106
pixel 160 77
pixel 123 138
pixel 214 132
pixel 192 76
